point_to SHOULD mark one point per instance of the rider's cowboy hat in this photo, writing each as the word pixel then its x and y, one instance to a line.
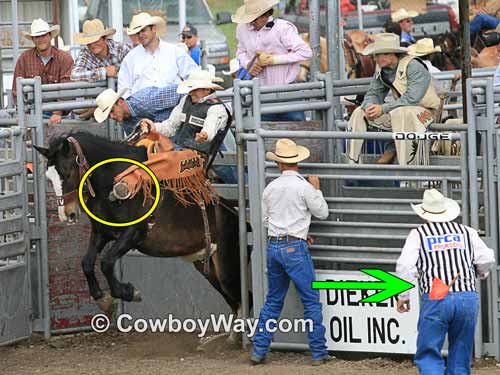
pixel 234 66
pixel 105 102
pixel 199 79
pixel 436 207
pixel 402 14
pixel 39 27
pixel 252 9
pixel 423 47
pixel 93 30
pixel 384 43
pixel 142 20
pixel 288 152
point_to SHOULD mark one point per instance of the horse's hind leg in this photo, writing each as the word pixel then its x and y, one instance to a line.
pixel 96 244
pixel 128 239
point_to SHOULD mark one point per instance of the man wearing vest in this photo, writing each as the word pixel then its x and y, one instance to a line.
pixel 412 110
pixel 447 257
pixel 197 118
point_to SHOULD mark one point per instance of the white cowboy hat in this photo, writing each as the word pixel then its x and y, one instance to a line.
pixel 142 20
pixel 105 101
pixel 60 44
pixel 93 30
pixel 288 152
pixel 384 43
pixel 234 66
pixel 211 69
pixel 423 47
pixel 402 14
pixel 436 207
pixel 252 9
pixel 40 27
pixel 199 79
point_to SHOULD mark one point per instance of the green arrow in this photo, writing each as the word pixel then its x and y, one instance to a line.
pixel 389 285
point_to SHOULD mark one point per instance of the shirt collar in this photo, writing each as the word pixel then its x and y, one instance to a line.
pixel 212 95
pixel 270 19
pixel 52 52
pixel 160 46
pixel 290 173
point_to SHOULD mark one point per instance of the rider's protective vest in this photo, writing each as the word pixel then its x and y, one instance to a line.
pixel 195 115
pixel 430 100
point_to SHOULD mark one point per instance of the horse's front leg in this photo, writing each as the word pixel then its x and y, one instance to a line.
pixel 128 239
pixel 96 244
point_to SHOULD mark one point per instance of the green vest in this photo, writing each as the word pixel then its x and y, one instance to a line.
pixel 194 119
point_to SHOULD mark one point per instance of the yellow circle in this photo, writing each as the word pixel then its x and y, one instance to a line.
pixel 107 161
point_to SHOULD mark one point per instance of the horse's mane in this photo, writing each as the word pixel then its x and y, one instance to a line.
pixel 90 142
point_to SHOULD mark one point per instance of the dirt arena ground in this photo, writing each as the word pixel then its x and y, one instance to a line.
pixel 135 354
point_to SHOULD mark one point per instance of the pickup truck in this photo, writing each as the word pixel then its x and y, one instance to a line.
pixel 438 19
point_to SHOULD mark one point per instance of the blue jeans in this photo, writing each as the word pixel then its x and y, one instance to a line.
pixel 290 116
pixel 290 261
pixel 483 22
pixel 456 315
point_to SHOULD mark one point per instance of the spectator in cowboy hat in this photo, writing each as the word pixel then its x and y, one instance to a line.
pixel 134 37
pixel 447 257
pixel 287 205
pixel 413 110
pixel 189 36
pixel 44 60
pixel 100 56
pixel 153 63
pixel 269 48
pixel 405 20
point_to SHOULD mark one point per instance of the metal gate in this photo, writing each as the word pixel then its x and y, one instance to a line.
pixel 15 290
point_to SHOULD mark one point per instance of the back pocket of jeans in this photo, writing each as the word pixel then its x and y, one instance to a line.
pixel 293 255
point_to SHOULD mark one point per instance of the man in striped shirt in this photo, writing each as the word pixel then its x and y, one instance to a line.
pixel 444 251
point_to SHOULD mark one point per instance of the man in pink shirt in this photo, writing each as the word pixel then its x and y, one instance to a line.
pixel 269 48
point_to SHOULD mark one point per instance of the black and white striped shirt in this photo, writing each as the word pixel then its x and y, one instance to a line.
pixel 444 250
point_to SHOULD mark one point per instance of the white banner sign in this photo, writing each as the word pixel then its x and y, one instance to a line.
pixel 366 327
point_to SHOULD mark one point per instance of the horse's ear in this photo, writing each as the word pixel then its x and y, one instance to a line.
pixel 64 147
pixel 42 150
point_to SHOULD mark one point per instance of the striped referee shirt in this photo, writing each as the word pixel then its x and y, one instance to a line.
pixel 444 250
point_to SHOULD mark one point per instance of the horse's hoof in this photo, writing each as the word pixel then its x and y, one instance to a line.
pixel 105 303
pixel 137 295
pixel 234 338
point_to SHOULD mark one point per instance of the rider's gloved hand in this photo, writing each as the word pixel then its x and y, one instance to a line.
pixel 266 59
pixel 146 126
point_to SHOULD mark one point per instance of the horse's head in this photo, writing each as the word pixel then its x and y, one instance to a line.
pixel 63 171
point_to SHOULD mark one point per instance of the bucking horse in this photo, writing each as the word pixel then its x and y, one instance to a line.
pixel 173 230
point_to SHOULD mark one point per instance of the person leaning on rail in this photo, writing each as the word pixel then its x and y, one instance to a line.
pixel 153 63
pixel 447 257
pixel 413 110
pixel 50 63
pixel 269 48
pixel 287 205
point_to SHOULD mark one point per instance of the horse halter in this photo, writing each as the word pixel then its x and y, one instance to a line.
pixel 83 166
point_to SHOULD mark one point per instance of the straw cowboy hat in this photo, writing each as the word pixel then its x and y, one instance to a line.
pixel 234 66
pixel 436 207
pixel 384 43
pixel 423 47
pixel 39 27
pixel 105 101
pixel 288 152
pixel 211 69
pixel 93 30
pixel 402 14
pixel 252 9
pixel 142 20
pixel 199 79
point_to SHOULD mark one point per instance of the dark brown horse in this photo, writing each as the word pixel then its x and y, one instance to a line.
pixel 173 230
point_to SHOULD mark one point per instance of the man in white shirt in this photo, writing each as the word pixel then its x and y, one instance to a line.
pixel 447 257
pixel 153 63
pixel 287 205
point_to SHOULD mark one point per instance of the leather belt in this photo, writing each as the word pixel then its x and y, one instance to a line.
pixel 284 238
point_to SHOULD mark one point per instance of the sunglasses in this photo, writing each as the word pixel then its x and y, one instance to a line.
pixel 186 37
